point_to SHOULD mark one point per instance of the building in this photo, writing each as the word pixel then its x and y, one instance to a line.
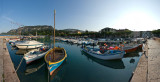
pixel 75 32
pixel 136 34
pixel 145 34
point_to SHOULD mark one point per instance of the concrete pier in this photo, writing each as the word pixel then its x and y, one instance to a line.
pixel 154 60
pixel 6 66
pixel 141 72
pixel 1 61
pixel 148 68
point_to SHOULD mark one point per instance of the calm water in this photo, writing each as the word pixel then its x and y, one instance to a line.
pixel 78 67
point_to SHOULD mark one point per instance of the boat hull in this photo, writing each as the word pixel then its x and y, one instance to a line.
pixel 107 57
pixel 53 65
pixel 133 49
pixel 34 58
pixel 140 45
pixel 29 46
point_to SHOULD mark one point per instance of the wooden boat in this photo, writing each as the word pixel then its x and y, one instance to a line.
pixel 127 49
pixel 132 48
pixel 35 54
pixel 109 55
pixel 54 58
pixel 140 45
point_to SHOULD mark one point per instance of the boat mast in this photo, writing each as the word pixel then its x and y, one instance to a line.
pixel 36 35
pixel 54 27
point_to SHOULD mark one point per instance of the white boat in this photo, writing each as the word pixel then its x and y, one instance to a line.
pixel 13 44
pixel 35 54
pixel 92 42
pixel 29 44
pixel 12 41
pixel 80 42
pixel 109 55
pixel 74 41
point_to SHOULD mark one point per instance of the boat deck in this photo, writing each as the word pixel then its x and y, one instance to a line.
pixel 55 55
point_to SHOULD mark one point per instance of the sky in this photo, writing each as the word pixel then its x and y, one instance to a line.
pixel 92 15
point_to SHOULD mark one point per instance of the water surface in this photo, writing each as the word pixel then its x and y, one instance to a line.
pixel 78 67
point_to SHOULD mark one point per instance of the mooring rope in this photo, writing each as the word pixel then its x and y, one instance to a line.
pixel 19 65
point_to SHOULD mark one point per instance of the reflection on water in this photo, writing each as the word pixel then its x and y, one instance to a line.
pixel 132 60
pixel 115 64
pixel 133 54
pixel 35 66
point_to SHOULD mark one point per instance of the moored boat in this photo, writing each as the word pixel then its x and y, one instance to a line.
pixel 28 44
pixel 54 58
pixel 35 54
pixel 129 49
pixel 108 55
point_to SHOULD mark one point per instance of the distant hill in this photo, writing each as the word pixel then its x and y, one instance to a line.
pixel 30 29
pixel 40 29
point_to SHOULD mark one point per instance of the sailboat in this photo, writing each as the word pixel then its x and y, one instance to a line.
pixel 56 56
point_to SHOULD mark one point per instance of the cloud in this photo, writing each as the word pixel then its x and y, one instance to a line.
pixel 8 19
pixel 11 21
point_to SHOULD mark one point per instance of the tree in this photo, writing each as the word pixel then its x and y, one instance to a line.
pixel 156 32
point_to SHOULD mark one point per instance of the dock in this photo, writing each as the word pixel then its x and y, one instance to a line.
pixel 7 71
pixel 148 67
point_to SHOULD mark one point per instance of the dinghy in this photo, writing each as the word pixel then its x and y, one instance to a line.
pixel 108 55
pixel 35 54
pixel 54 58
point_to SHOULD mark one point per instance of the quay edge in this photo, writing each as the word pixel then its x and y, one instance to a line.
pixel 147 69
pixel 7 68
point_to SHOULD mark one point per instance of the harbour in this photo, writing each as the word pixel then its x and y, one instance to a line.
pixel 79 41
pixel 78 66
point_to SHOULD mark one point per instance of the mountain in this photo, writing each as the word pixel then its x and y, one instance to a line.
pixel 30 29
pixel 41 30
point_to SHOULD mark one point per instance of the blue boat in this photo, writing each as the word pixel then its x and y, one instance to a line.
pixel 108 55
pixel 54 58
